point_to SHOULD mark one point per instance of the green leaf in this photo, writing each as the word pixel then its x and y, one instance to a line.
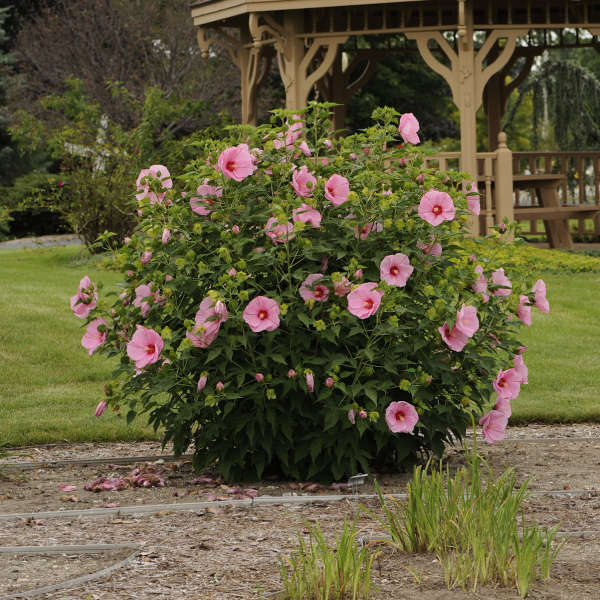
pixel 315 448
pixel 304 318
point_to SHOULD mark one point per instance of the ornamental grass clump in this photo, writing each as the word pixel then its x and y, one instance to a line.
pixel 474 523
pixel 318 570
pixel 301 305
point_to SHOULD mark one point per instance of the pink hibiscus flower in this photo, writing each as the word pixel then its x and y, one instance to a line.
pixel 408 128
pixel 508 384
pixel 521 368
pixel 208 321
pixel 208 194
pixel 310 290
pixel 524 310
pixel 337 189
pixel 474 205
pixel 395 269
pixel 493 426
pixel 92 338
pixel 364 231
pixel 279 233
pixel 436 207
pixel 455 339
pixel 401 417
pixel 433 248
pixel 146 256
pixel 262 314
pixel 305 149
pixel 142 294
pixel 202 382
pixel 294 132
pixel 307 214
pixel 159 172
pixel 166 236
pixel 145 347
pixel 236 162
pixel 480 286
pixel 499 278
pixel 364 301
pixel 502 405
pixel 539 290
pixel 304 182
pixel 467 322
pixel 342 287
pixel 84 301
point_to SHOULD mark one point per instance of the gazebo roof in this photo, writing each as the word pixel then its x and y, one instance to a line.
pixel 209 11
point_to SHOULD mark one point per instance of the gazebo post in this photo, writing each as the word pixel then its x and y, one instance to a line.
pixel 467 77
pixel 290 59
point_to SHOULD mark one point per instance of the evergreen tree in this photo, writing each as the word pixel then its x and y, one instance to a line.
pixel 8 155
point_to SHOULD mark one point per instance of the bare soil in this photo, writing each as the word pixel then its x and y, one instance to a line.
pixel 224 552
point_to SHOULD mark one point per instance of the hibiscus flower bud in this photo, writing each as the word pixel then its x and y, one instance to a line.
pixel 292 373
pixel 220 386
pixel 329 382
pixel 100 408
pixel 310 381
pixel 259 377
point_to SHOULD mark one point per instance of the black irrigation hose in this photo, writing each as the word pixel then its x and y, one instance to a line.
pixel 74 582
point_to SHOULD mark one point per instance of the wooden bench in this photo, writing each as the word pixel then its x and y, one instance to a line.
pixel 555 216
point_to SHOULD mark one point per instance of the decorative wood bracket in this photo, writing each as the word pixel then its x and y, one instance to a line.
pixel 214 35
pixel 455 76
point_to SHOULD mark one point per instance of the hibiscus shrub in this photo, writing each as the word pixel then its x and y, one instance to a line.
pixel 301 305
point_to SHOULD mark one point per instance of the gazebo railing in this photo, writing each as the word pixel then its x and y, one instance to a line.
pixel 580 185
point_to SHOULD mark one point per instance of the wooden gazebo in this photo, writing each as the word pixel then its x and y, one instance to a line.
pixel 472 44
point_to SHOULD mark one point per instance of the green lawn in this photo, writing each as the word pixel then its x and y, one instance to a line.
pixel 563 354
pixel 49 387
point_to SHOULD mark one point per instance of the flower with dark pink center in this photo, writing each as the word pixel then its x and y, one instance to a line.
pixel 311 290
pixel 262 314
pixel 145 347
pixel 436 207
pixel 364 300
pixel 455 339
pixel 395 269
pixel 207 194
pixel 236 162
pixel 508 384
pixel 401 417
pixel 337 189
pixel 93 338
